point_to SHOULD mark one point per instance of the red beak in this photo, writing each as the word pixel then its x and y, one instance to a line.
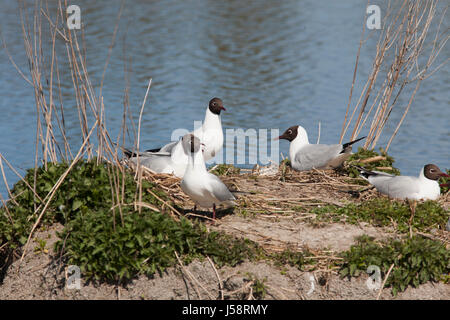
pixel 444 175
pixel 280 137
pixel 223 108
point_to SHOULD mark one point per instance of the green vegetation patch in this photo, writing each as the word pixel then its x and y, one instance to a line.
pixel 385 212
pixel 444 180
pixel 225 170
pixel 106 248
pixel 362 154
pixel 259 288
pixel 87 187
pixel 109 241
pixel 292 258
pixel 416 261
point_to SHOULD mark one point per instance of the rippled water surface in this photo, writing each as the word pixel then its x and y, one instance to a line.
pixel 274 64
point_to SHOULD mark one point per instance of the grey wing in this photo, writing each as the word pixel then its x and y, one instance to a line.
pixel 400 187
pixel 155 162
pixel 316 155
pixel 164 150
pixel 219 189
pixel 168 147
pixel 384 174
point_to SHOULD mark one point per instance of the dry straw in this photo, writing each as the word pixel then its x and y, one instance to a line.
pixel 404 57
pixel 51 48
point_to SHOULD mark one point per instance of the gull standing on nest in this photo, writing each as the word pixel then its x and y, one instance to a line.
pixel 204 188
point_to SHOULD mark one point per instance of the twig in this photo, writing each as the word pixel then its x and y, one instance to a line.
pixel 189 275
pixel 373 159
pixel 248 284
pixel 218 278
pixel 172 208
pixel 250 295
pixel 283 297
pixel 193 279
pixel 384 281
pixel 137 204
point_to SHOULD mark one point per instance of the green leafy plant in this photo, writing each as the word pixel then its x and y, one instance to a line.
pixel 362 154
pixel 416 261
pixel 446 181
pixel 86 187
pixel 283 169
pixel 41 247
pixel 109 241
pixel 225 249
pixel 259 288
pixel 225 170
pixel 146 242
pixel 292 258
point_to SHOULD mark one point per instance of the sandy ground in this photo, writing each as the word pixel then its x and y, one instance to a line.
pixel 40 277
pixel 274 223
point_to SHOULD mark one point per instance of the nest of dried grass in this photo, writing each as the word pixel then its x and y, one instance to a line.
pixel 278 193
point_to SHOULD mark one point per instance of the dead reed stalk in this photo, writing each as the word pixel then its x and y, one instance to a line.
pixel 403 57
pixel 52 48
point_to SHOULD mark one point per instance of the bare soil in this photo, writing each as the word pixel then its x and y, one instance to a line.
pixel 270 213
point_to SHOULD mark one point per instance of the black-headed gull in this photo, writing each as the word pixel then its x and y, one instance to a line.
pixel 305 156
pixel 425 186
pixel 172 159
pixel 204 188
pixel 210 133
pixel 173 162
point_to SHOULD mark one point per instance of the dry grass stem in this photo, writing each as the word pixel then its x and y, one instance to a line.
pixel 402 57
pixel 218 278
pixel 384 281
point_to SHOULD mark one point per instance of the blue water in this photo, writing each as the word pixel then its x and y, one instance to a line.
pixel 274 64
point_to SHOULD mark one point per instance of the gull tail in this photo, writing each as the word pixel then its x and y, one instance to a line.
pixel 365 174
pixel 128 153
pixel 348 144
pixel 230 203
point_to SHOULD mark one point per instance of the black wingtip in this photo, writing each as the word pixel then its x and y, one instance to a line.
pixel 153 150
pixel 128 153
pixel 348 144
pixel 364 172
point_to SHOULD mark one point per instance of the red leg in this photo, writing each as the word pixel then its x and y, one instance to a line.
pixel 214 211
